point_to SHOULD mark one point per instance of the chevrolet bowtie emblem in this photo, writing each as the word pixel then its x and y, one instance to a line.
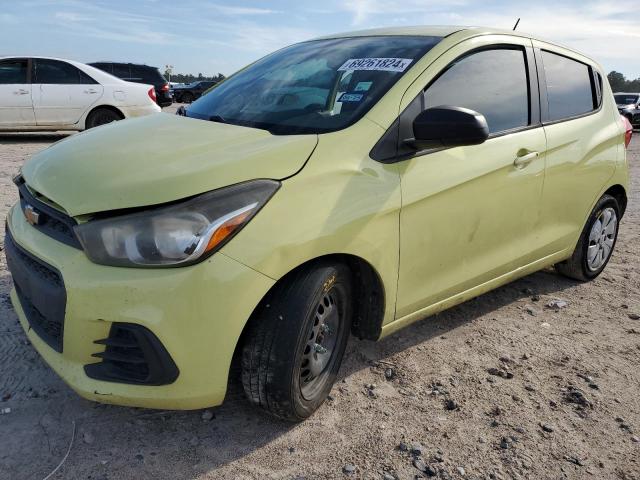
pixel 32 216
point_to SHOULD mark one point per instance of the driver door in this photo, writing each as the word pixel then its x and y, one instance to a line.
pixel 470 214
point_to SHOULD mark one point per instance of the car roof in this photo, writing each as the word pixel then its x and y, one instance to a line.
pixel 99 75
pixel 439 31
pixel 124 63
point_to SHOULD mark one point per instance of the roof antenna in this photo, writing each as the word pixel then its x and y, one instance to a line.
pixel 516 25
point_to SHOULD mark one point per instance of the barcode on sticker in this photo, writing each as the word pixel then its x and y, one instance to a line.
pixel 381 64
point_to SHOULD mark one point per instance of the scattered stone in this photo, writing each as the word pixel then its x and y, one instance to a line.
pixel 530 310
pixel 140 457
pixel 430 471
pixel 574 460
pixel 388 476
pixel 416 448
pixel 557 304
pixel 389 374
pixel 530 388
pixel 292 449
pixel 87 437
pixel 451 404
pixel 500 372
pixel 586 378
pixel 419 464
pixel 6 397
pixel 207 415
pixel 461 471
pixel 403 447
pixel 545 325
pixel 525 356
pixel 505 443
pixel 577 396
pixel 546 427
pixel 194 441
pixel 634 316
pixel 349 469
pixel 535 298
pixel 635 439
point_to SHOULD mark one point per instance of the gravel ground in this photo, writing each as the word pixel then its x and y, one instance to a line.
pixel 499 387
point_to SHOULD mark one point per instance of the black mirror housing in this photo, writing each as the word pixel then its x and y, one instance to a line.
pixel 448 126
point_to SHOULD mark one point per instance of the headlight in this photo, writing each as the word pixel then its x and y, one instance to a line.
pixel 177 234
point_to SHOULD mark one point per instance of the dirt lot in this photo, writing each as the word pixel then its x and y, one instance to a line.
pixel 570 410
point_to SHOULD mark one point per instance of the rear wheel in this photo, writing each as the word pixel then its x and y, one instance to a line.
pixel 596 242
pixel 296 341
pixel 187 97
pixel 101 116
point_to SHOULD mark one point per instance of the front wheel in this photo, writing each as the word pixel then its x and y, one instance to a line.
pixel 596 243
pixel 296 341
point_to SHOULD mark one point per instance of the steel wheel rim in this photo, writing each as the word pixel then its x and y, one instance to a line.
pixel 321 344
pixel 601 239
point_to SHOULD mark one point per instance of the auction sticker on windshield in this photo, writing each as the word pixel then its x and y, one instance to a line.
pixel 382 64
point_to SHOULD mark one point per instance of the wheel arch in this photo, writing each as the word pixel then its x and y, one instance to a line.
pixel 620 194
pixel 369 297
pixel 102 106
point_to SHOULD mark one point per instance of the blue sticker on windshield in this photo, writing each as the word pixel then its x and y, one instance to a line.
pixel 363 86
pixel 351 97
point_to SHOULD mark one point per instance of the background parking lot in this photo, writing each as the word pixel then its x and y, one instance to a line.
pixel 538 379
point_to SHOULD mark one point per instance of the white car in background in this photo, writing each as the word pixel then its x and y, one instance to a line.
pixel 43 93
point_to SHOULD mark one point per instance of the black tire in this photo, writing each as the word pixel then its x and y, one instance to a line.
pixel 577 267
pixel 187 97
pixel 102 116
pixel 280 336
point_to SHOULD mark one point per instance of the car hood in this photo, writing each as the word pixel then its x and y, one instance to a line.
pixel 158 159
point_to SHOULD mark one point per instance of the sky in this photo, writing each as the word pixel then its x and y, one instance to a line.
pixel 211 37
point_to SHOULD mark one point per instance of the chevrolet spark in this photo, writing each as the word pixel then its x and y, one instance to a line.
pixel 348 185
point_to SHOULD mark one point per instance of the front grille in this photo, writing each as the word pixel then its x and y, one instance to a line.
pixel 40 290
pixel 132 354
pixel 50 221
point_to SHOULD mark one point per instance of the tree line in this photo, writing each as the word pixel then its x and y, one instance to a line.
pixel 619 83
pixel 189 78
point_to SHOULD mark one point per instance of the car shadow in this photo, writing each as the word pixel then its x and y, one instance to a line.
pixel 139 443
pixel 33 137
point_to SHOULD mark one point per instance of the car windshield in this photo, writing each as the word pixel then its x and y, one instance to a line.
pixel 626 99
pixel 312 87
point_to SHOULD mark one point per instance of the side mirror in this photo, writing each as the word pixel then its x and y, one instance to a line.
pixel 447 126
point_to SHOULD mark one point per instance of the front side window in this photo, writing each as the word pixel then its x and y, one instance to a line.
pixel 13 72
pixel 59 73
pixel 313 87
pixel 569 87
pixel 491 82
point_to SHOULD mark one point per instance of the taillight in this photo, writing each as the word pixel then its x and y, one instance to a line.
pixel 628 131
pixel 152 94
pixel 165 87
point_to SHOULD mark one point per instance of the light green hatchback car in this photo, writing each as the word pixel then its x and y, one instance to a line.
pixel 347 185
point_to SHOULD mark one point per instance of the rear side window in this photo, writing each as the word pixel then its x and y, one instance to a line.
pixel 13 71
pixel 144 74
pixel 491 82
pixel 121 71
pixel 570 89
pixel 59 73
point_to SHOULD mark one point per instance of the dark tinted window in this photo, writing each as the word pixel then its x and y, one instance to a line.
pixel 13 71
pixel 121 70
pixel 491 82
pixel 623 98
pixel 106 67
pixel 569 86
pixel 145 74
pixel 59 73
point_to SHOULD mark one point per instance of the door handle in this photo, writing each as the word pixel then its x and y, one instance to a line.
pixel 91 90
pixel 21 91
pixel 522 161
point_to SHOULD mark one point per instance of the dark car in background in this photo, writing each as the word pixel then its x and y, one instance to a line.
pixel 629 106
pixel 192 91
pixel 133 72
